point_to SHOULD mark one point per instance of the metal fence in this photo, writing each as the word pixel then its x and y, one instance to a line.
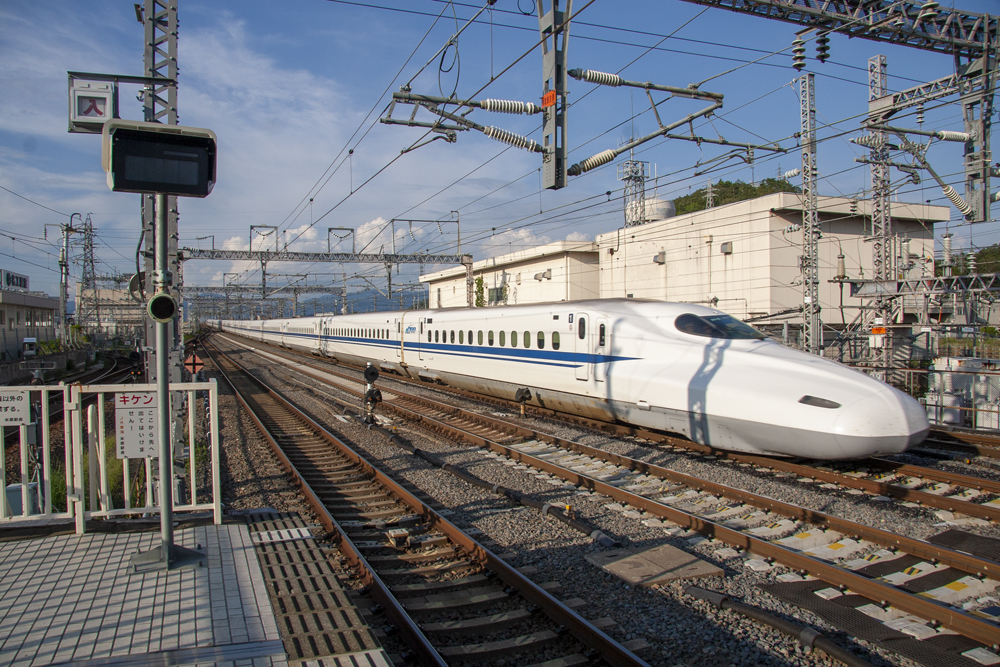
pixel 85 475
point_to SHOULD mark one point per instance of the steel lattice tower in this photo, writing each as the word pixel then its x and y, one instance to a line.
pixel 811 231
pixel 633 174
pixel 882 255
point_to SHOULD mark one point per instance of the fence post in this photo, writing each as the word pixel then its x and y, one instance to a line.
pixel 46 456
pixel 216 484
pixel 93 458
pixel 79 490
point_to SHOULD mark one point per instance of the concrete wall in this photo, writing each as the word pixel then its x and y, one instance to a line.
pixel 12 372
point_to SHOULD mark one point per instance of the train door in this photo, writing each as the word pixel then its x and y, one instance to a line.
pixel 398 326
pixel 582 339
pixel 602 348
pixel 420 337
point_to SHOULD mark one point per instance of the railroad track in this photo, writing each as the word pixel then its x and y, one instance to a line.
pixel 443 591
pixel 909 585
pixel 961 443
pixel 959 494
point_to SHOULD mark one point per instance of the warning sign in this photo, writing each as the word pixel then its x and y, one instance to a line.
pixel 15 408
pixel 194 364
pixel 136 415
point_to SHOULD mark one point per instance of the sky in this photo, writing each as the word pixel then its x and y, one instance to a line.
pixel 295 90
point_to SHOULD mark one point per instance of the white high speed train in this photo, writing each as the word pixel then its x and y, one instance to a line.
pixel 669 366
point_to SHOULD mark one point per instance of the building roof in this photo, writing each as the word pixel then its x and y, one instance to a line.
pixel 790 201
pixel 557 248
pixel 28 299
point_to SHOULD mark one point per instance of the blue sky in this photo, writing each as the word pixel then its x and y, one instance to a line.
pixel 290 87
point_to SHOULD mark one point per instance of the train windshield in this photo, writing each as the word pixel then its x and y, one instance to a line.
pixel 716 326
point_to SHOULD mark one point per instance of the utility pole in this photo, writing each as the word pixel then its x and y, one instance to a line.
pixel 65 230
pixel 811 230
pixel 882 256
pixel 159 19
pixel 555 37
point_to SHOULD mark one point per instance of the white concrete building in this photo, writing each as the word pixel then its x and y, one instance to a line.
pixel 743 259
pixel 560 271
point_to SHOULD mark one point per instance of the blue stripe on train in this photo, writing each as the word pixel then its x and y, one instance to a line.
pixel 541 357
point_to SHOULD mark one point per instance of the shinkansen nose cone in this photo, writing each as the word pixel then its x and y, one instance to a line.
pixel 885 422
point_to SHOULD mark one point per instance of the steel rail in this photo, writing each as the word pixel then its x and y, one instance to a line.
pixel 407 626
pixel 585 632
pixel 957 620
pixel 878 488
pixel 965 624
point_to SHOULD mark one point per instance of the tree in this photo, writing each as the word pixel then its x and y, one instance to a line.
pixel 726 192
pixel 480 293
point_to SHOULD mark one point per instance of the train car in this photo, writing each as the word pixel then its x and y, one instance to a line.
pixel 675 367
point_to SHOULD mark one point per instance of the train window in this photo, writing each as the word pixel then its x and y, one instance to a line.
pixel 489 337
pixel 601 334
pixel 480 337
pixel 503 337
pixel 470 337
pixel 555 340
pixel 513 339
pixel 461 336
pixel 527 338
pixel 436 334
pixel 428 335
pixel 541 340
pixel 716 326
pixel 581 328
pixel 452 336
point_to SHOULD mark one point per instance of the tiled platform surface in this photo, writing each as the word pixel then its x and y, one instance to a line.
pixel 74 600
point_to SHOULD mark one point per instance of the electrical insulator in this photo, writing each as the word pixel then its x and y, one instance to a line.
pixel 854 206
pixel 920 114
pixel 841 267
pixel 509 106
pixel 600 78
pixel 791 174
pixel 929 11
pixel 515 140
pixel 951 135
pixel 823 48
pixel 946 249
pixel 970 263
pixel 867 140
pixel 798 54
pixel 592 162
pixel 957 200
